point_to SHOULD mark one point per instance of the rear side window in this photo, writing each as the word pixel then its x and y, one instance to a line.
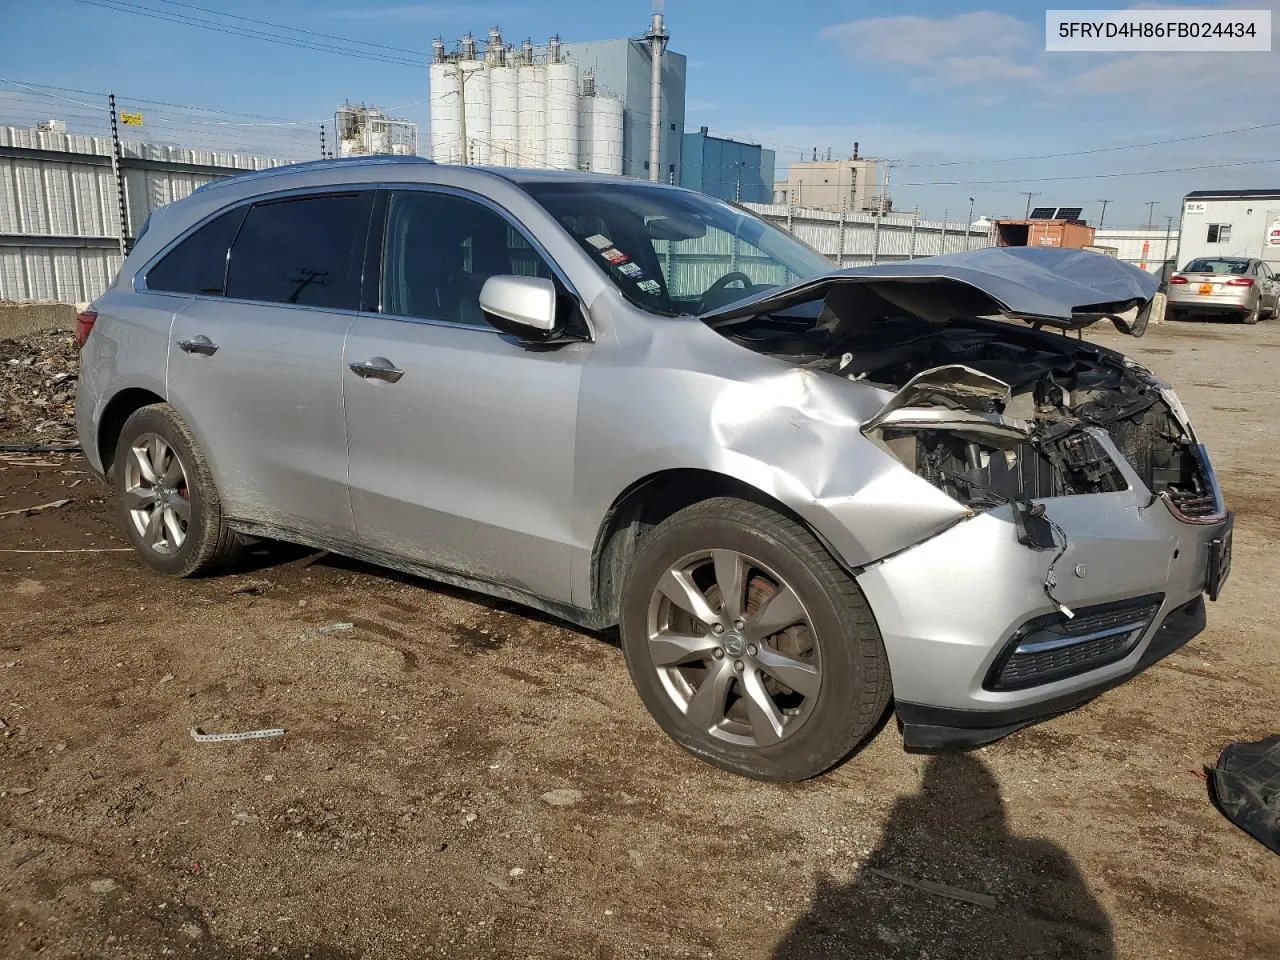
pixel 307 251
pixel 199 263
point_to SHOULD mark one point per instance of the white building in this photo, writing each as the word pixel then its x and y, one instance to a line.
pixel 1230 223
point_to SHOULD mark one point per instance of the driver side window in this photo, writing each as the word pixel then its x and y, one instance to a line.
pixel 439 249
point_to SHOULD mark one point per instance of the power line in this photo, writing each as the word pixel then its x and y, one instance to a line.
pixel 1086 176
pixel 283 26
pixel 1082 153
pixel 120 6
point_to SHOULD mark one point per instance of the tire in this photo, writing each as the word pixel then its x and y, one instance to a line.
pixel 201 542
pixel 1252 316
pixel 824 718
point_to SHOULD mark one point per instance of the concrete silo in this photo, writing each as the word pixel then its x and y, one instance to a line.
pixel 444 97
pixel 531 97
pixel 562 110
pixel 477 99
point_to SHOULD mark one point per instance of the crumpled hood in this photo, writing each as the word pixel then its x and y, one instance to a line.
pixel 1060 288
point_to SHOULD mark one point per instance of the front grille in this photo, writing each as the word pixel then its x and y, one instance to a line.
pixel 1053 647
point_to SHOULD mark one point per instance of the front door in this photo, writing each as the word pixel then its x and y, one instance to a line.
pixel 258 373
pixel 462 447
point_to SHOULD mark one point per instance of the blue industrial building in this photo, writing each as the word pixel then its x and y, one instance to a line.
pixel 623 67
pixel 726 168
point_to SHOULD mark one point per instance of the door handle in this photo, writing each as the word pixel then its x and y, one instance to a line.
pixel 379 368
pixel 201 345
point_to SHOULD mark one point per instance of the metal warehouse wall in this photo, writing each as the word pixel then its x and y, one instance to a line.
pixel 860 239
pixel 60 213
pixel 1152 248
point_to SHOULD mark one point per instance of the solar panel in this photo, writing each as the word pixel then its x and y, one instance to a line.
pixel 1043 213
pixel 1069 213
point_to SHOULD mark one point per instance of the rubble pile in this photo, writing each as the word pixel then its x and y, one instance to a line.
pixel 38 389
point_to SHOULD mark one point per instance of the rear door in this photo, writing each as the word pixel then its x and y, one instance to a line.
pixel 462 452
pixel 257 371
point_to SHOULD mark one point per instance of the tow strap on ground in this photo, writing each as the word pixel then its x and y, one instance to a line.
pixel 1245 787
pixel 201 737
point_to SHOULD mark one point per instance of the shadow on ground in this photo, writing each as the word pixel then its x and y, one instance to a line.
pixel 954 832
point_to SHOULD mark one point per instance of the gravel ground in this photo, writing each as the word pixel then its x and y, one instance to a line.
pixel 463 778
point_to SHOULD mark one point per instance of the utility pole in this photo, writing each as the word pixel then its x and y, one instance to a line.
pixel 462 76
pixel 116 156
pixel 968 224
pixel 323 154
pixel 1151 212
pixel 1028 194
pixel 1102 219
pixel 1168 233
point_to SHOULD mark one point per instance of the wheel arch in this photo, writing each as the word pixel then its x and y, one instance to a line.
pixel 648 502
pixel 114 415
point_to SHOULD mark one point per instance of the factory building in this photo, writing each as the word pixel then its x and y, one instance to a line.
pixel 850 185
pixel 573 106
pixel 725 168
pixel 364 131
pixel 1230 223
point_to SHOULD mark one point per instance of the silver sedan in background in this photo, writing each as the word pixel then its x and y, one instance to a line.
pixel 1237 287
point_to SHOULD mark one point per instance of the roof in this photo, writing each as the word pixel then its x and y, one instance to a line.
pixel 337 163
pixel 1231 194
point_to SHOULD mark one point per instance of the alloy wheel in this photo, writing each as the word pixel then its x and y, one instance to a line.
pixel 734 648
pixel 157 495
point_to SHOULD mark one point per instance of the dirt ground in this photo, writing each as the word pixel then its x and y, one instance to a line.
pixel 463 778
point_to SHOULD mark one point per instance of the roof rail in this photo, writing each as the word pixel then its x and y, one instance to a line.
pixel 307 165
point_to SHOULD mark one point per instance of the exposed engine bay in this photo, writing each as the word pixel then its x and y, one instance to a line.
pixel 992 412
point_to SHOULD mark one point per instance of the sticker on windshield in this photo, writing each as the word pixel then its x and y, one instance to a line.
pixel 599 242
pixel 631 270
pixel 649 286
pixel 614 256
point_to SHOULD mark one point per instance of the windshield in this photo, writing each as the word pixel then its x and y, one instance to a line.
pixel 674 251
pixel 1205 265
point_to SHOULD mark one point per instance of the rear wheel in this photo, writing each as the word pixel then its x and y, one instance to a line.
pixel 170 507
pixel 1253 315
pixel 749 644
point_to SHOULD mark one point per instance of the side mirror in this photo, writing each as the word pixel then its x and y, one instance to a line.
pixel 524 307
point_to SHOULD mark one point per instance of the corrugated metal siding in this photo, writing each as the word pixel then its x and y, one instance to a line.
pixel 71 198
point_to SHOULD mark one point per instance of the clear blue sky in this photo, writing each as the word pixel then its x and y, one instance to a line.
pixel 926 83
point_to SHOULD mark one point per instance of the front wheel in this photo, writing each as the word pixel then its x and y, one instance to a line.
pixel 168 500
pixel 750 646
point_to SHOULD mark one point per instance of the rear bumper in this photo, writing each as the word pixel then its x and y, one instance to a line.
pixel 926 728
pixel 1191 303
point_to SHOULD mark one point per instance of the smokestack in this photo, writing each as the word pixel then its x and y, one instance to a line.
pixel 657 43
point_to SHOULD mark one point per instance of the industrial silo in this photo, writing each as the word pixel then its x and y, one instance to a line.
pixel 586 130
pixel 476 95
pixel 505 109
pixel 444 99
pixel 606 135
pixel 562 110
pixel 531 96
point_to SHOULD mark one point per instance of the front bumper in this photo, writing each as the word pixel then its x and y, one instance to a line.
pixel 949 608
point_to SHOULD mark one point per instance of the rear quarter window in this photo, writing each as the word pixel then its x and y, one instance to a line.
pixel 306 250
pixel 198 265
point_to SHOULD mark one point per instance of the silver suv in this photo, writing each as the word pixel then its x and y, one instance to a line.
pixel 799 493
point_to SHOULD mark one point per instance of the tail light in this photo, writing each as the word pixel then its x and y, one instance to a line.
pixel 1177 278
pixel 1240 282
pixel 84 323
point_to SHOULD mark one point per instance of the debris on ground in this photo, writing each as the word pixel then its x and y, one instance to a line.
pixel 200 736
pixel 1245 787
pixel 38 508
pixel 563 797
pixel 939 889
pixel 38 389
pixel 325 628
